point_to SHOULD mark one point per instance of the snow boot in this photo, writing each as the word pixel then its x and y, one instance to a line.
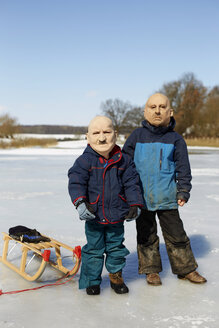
pixel 117 283
pixel 93 290
pixel 153 279
pixel 194 277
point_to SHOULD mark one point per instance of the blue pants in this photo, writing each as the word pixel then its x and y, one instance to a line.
pixel 102 239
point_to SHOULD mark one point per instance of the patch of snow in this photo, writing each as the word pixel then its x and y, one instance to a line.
pixel 22 196
pixel 215 250
pixel 48 136
pixel 214 197
pixel 205 171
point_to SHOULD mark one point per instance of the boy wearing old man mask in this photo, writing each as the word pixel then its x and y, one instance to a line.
pixel 104 187
pixel 161 159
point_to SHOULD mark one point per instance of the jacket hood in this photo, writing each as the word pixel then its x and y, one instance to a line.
pixel 160 129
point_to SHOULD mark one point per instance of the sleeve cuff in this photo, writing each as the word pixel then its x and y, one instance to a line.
pixel 79 199
pixel 183 195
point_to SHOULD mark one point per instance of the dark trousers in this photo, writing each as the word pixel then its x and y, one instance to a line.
pixel 177 243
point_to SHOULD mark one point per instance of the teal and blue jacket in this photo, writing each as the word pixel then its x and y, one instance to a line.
pixel 161 158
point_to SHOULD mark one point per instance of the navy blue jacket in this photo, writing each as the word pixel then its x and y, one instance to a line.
pixel 110 186
pixel 161 159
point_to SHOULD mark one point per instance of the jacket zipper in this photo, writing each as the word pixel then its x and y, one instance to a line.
pixel 161 155
pixel 106 167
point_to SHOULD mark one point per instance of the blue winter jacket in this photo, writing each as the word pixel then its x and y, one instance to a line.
pixel 110 186
pixel 161 159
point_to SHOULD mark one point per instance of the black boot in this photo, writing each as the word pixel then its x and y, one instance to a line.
pixel 117 283
pixel 93 290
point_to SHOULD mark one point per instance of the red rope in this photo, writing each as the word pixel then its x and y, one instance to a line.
pixel 57 283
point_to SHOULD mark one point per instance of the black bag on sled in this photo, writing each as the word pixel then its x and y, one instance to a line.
pixel 22 233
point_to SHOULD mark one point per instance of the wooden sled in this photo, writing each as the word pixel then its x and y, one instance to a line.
pixel 42 251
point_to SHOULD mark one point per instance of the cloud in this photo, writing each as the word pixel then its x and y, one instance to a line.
pixel 91 94
pixel 3 108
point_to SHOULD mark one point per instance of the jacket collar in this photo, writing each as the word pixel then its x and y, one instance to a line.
pixel 160 129
pixel 115 153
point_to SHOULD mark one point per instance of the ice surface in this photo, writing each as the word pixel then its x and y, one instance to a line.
pixel 33 192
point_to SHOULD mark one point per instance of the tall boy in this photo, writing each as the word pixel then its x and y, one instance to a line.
pixel 161 159
pixel 104 187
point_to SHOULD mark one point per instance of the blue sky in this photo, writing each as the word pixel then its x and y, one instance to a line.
pixel 60 59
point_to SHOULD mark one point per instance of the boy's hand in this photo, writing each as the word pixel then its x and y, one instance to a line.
pixel 85 211
pixel 181 202
pixel 133 214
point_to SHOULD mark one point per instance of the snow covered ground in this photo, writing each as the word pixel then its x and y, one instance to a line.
pixel 33 192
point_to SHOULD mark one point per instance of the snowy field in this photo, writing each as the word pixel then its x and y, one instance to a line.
pixel 33 192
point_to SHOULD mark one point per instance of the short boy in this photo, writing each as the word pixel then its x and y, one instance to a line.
pixel 104 187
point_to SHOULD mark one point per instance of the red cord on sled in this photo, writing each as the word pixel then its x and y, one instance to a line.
pixel 57 283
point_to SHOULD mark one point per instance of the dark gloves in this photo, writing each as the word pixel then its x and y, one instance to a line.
pixel 183 194
pixel 133 214
pixel 84 209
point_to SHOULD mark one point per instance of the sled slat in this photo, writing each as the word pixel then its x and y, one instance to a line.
pixel 39 249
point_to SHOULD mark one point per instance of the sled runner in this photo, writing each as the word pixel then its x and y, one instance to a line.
pixel 42 250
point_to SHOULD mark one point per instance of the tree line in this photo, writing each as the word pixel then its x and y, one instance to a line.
pixel 52 129
pixel 196 110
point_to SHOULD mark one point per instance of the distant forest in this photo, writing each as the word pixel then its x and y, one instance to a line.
pixel 52 129
pixel 196 110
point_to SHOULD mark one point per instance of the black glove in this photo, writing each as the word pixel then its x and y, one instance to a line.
pixel 133 214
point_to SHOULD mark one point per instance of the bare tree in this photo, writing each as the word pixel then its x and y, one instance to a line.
pixel 196 109
pixel 116 110
pixel 134 117
pixel 210 115
pixel 187 96
pixel 8 126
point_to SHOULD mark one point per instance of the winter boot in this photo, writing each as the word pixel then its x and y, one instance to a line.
pixel 153 279
pixel 93 290
pixel 117 283
pixel 194 277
